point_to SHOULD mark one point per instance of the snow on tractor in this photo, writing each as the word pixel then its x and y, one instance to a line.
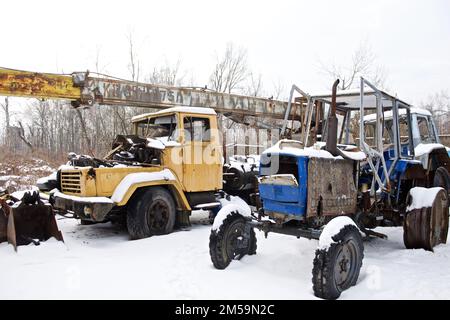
pixel 334 187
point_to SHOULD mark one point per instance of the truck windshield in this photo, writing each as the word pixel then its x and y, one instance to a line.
pixel 164 126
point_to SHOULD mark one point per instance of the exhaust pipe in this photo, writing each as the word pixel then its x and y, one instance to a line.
pixel 331 145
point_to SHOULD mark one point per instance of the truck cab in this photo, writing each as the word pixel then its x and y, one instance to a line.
pixel 418 124
pixel 175 151
pixel 423 128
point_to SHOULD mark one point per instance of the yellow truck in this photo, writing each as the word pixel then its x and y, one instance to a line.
pixel 181 170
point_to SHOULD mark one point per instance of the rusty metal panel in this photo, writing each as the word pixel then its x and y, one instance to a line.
pixel 120 92
pixel 331 187
pixel 37 85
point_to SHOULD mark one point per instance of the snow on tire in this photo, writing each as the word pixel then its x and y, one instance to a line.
pixel 427 220
pixel 232 240
pixel 337 264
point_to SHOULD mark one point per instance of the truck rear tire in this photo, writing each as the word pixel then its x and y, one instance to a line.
pixel 232 241
pixel 337 268
pixel 150 212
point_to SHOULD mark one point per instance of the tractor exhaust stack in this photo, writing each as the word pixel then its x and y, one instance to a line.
pixel 331 145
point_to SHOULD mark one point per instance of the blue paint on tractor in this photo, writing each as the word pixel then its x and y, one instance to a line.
pixel 290 200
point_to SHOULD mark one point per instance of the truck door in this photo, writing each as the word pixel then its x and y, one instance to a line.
pixel 202 164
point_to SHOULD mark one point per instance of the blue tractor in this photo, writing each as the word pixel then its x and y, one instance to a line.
pixel 342 177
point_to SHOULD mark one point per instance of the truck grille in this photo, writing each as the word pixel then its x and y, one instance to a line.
pixel 71 181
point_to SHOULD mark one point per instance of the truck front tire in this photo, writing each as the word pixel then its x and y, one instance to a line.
pixel 150 212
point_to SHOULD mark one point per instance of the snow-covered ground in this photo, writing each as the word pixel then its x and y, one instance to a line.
pixel 19 173
pixel 99 261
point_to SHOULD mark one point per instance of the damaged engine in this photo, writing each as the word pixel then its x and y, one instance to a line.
pixel 126 149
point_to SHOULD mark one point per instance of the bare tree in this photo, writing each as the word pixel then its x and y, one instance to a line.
pixel 255 85
pixel 439 105
pixel 22 136
pixel 84 131
pixel 363 63
pixel 134 66
pixel 167 75
pixel 231 70
pixel 278 90
pixel 5 107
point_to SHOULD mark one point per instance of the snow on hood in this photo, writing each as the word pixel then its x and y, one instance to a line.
pixel 168 143
pixel 290 149
pixel 311 152
pixel 426 148
pixel 44 180
pixel 66 167
pixel 353 155
pixel 422 197
pixel 156 144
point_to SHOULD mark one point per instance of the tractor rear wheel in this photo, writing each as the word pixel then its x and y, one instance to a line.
pixel 426 227
pixel 231 241
pixel 337 268
pixel 442 179
pixel 151 212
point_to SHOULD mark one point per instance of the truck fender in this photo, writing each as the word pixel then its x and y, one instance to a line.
pixel 133 181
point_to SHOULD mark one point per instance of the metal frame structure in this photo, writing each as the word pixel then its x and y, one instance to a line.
pixel 305 122
pixel 375 156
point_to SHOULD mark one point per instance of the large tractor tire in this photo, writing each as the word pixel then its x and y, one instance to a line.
pixel 337 268
pixel 232 241
pixel 151 212
pixel 442 179
pixel 426 227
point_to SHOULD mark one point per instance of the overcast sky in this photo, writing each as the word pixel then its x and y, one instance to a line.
pixel 285 39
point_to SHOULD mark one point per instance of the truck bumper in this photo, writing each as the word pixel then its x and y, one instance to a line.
pixel 86 208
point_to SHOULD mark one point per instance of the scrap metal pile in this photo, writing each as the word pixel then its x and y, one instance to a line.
pixel 27 220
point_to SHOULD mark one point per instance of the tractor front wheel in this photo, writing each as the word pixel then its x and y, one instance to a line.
pixel 231 241
pixel 337 267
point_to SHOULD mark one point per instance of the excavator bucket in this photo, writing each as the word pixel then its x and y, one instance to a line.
pixel 27 221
